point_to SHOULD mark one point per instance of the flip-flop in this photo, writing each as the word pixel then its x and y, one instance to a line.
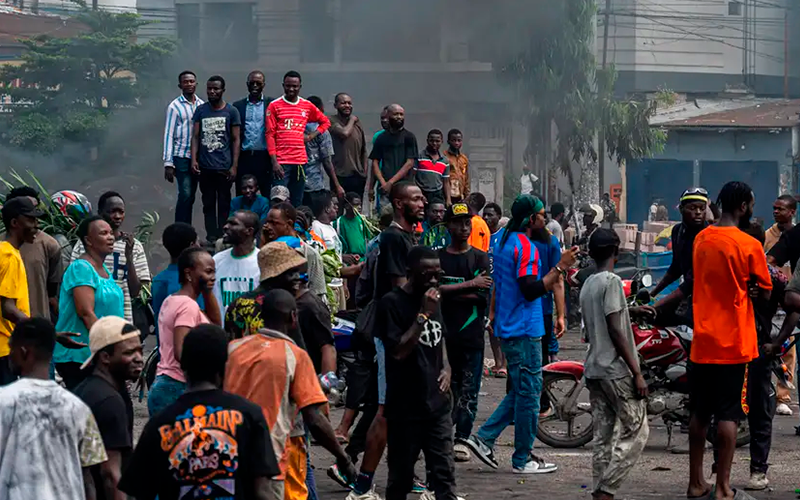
pixel 709 494
pixel 501 373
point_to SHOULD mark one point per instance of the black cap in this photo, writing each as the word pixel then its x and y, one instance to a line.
pixel 21 205
pixel 602 238
pixel 457 210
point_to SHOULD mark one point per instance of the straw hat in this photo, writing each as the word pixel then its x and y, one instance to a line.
pixel 276 258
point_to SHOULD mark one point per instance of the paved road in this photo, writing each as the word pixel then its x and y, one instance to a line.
pixel 658 475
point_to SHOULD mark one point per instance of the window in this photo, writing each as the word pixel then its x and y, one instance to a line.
pixel 188 18
pixel 735 8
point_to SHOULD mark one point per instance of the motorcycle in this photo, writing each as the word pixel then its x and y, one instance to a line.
pixel 663 354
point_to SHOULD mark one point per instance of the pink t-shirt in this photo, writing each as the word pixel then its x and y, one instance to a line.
pixel 176 311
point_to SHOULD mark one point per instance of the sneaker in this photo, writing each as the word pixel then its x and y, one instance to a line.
pixel 535 465
pixel 482 451
pixel 418 487
pixel 429 495
pixel 370 495
pixel 461 452
pixel 758 481
pixel 783 409
pixel 338 478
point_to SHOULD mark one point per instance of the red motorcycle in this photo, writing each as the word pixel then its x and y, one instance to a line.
pixel 663 354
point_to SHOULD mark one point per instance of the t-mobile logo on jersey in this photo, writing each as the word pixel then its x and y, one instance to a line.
pixel 431 333
pixel 288 123
pixel 232 287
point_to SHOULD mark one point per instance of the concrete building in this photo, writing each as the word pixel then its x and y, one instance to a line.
pixel 710 143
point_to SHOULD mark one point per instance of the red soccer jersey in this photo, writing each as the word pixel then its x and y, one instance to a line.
pixel 286 126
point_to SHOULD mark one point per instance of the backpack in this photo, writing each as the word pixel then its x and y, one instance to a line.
pixel 365 301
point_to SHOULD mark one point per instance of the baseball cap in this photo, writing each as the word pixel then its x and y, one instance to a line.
pixel 279 193
pixel 457 210
pixel 602 238
pixel 106 331
pixel 21 205
pixel 276 258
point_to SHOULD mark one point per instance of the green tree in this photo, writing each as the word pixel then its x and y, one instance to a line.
pixel 71 86
pixel 544 51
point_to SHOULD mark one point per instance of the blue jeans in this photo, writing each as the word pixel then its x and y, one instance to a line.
pixel 294 178
pixel 521 404
pixel 187 187
pixel 165 391
pixel 467 368
pixel 311 484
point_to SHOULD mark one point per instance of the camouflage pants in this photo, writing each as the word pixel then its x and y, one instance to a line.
pixel 620 431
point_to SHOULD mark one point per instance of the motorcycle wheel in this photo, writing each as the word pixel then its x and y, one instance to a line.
pixel 742 435
pixel 558 432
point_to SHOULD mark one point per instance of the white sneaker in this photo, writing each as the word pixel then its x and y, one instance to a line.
pixel 783 409
pixel 370 495
pixel 461 453
pixel 758 481
pixel 535 465
pixel 429 495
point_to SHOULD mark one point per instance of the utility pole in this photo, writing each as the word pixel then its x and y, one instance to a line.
pixel 601 147
pixel 786 53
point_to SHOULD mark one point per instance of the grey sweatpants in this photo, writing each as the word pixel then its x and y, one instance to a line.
pixel 620 431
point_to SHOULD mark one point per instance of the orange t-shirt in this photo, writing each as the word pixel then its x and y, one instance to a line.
pixel 480 236
pixel 272 372
pixel 724 260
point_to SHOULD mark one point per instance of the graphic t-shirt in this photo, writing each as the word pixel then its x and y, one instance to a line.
pixel 214 152
pixel 514 315
pixel 235 276
pixel 271 371
pixel 329 236
pixel 207 445
pixel 602 294
pixel 464 312
pixel 243 317
pixel 726 259
pixel 47 435
pixel 393 149
pixel 412 387
pixel 13 285
pixel 434 237
pixel 176 311
pixel 108 301
pixel 113 411
pixel 394 246
pixel 118 264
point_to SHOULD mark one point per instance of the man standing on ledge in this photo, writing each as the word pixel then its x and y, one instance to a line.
pixel 253 159
pixel 178 145
pixel 349 146
pixel 287 118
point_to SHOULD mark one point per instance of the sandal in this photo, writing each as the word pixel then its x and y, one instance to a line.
pixel 501 373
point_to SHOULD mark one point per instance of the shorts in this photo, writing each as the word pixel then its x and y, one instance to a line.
pixel 381 358
pixel 718 391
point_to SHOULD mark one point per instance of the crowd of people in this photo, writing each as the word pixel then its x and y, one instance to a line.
pixel 244 331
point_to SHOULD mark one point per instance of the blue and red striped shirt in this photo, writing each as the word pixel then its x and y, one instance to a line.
pixel 514 316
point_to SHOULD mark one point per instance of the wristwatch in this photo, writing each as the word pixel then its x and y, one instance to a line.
pixel 422 318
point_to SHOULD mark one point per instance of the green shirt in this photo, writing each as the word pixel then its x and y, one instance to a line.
pixel 354 235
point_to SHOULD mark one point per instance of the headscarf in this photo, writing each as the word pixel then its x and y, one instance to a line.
pixel 524 207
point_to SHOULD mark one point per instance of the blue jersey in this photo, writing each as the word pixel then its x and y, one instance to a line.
pixel 514 316
pixel 549 255
pixel 493 242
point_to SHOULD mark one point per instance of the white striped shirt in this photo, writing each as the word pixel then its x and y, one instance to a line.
pixel 178 128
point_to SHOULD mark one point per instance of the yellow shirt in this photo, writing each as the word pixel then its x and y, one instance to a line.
pixel 13 285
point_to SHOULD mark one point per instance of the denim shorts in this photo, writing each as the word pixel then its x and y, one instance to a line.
pixel 165 391
pixel 380 354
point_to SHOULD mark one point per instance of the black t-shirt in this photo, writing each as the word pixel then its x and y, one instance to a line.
pixel 464 312
pixel 412 388
pixel 207 445
pixel 787 249
pixel 314 319
pixel 392 150
pixel 113 410
pixel 394 247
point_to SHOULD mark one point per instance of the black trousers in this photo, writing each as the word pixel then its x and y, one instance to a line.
pixel 215 189
pixel 255 163
pixel 434 437
pixel 761 400
pixel 353 183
